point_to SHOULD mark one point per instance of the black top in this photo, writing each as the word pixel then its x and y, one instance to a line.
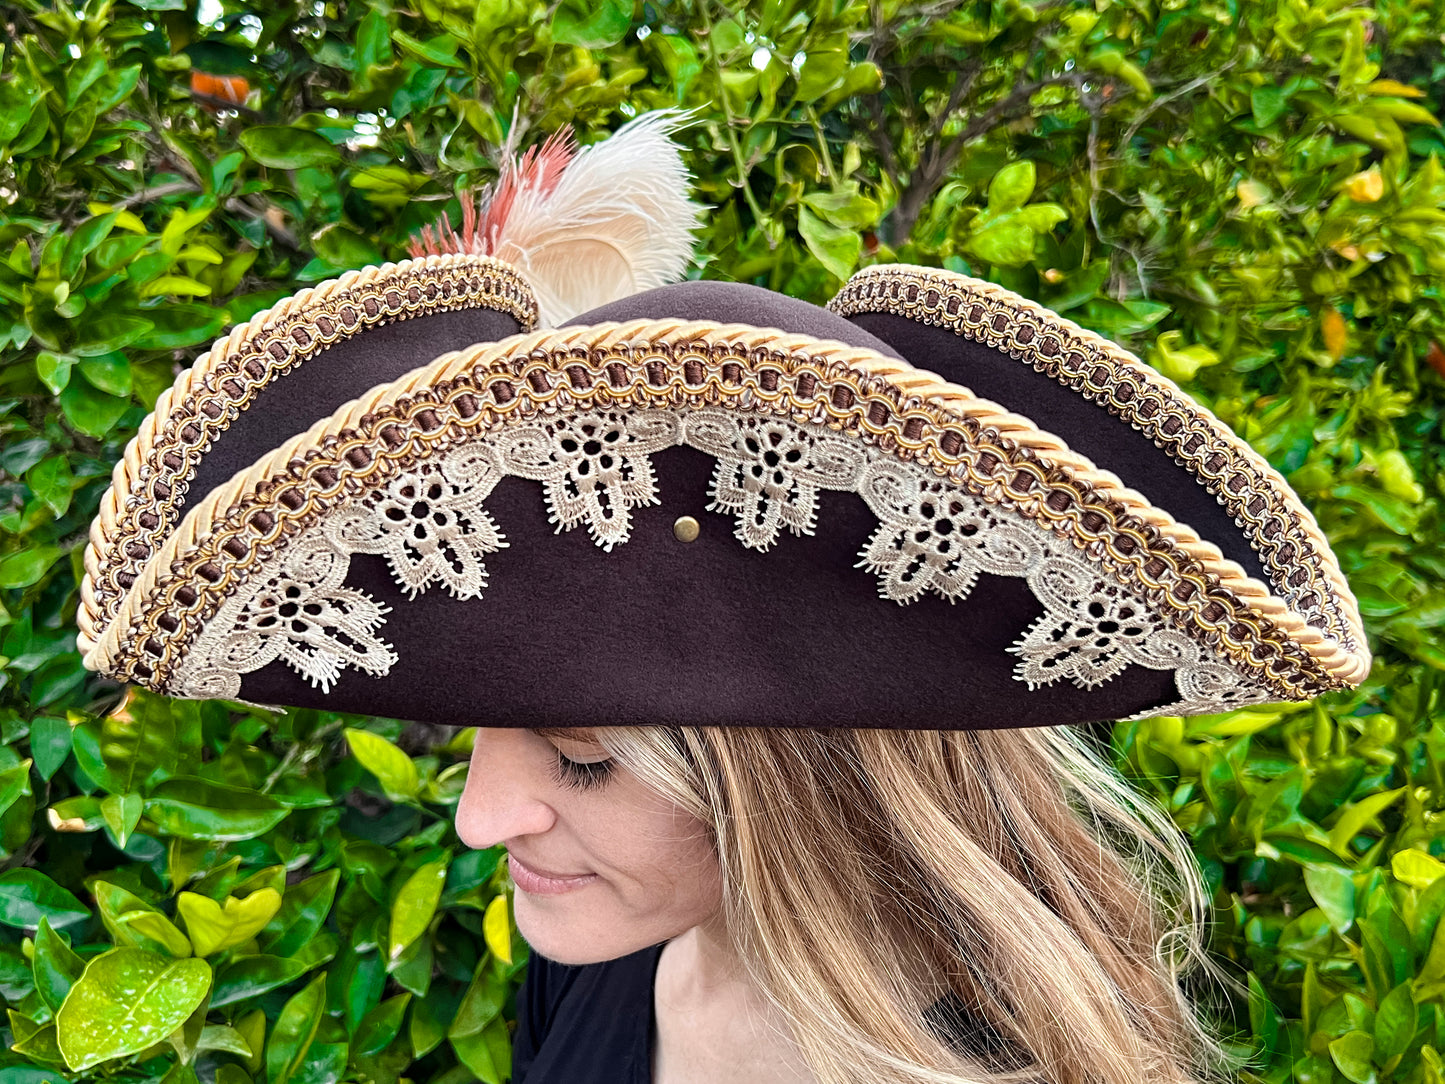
pixel 595 1024
pixel 586 1024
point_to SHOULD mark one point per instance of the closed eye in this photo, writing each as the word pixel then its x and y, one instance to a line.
pixel 580 775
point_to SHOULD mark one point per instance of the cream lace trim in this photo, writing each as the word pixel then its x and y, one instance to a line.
pixel 430 525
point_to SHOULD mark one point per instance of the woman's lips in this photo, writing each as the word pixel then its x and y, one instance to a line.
pixel 543 883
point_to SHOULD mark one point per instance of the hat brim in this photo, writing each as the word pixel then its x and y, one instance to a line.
pixel 777 634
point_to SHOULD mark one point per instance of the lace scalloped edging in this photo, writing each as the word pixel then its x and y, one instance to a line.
pixel 430 525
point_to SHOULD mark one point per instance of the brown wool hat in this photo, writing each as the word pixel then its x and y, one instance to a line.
pixel 931 504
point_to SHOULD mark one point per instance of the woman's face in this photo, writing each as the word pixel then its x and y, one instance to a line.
pixel 653 871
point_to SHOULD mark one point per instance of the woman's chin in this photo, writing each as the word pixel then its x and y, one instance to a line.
pixel 561 938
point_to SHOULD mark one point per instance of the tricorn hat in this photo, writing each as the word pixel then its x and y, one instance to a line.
pixel 932 503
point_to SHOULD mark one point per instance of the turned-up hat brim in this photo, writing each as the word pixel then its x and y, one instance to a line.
pixel 937 506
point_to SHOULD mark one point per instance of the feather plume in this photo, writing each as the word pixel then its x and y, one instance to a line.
pixel 584 226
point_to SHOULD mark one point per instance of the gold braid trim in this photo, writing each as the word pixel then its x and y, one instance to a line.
pixel 148 485
pixel 644 364
pixel 1281 529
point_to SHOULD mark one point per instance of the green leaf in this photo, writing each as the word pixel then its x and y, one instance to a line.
pixel 14 784
pixel 122 813
pixel 54 369
pixel 846 210
pixel 52 482
pixel 132 921
pixel 126 1001
pixel 108 372
pixel 1011 186
pixel 288 148
pixel 1416 868
pixel 218 1037
pixel 439 52
pixel 181 324
pixel 822 70
pixel 486 1053
pixel 134 741
pixel 38 1044
pixel 1269 104
pixel 596 25
pixel 193 808
pixel 84 240
pixel 182 222
pixel 1352 1054
pixel 836 249
pixel 1263 1017
pixel 1396 1023
pixel 304 908
pixel 1353 819
pixel 108 333
pixel 91 412
pixel 27 896
pixel 18 456
pixel 1008 244
pixel 247 976
pixel 341 247
pixel 295 1032
pixel 28 566
pixel 430 1017
pixel 480 1004
pixel 56 967
pixel 380 1026
pixel 393 769
pixel 31 1074
pixel 415 905
pixel 214 928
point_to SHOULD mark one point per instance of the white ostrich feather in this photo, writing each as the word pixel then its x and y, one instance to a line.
pixel 614 221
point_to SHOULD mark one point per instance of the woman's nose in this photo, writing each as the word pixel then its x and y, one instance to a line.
pixel 504 795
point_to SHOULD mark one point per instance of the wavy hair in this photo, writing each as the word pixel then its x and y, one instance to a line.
pixel 868 873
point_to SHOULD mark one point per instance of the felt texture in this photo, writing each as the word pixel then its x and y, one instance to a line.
pixel 709 632
pixel 700 633
pixel 324 383
pixel 1087 427
pixel 735 303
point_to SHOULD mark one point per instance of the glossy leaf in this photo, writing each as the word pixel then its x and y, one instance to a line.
pixel 291 1040
pixel 127 1000
pixel 497 928
pixel 193 808
pixel 215 928
pixel 393 769
pixel 57 968
pixel 287 148
pixel 27 896
pixel 132 921
pixel 415 905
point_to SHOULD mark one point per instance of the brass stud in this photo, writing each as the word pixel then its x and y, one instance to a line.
pixel 686 529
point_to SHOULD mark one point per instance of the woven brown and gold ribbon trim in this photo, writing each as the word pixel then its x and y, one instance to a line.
pixel 648 364
pixel 1282 531
pixel 149 484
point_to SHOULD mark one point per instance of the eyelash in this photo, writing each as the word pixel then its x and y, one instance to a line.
pixel 578 775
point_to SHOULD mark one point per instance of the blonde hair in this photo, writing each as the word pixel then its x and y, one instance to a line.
pixel 867 873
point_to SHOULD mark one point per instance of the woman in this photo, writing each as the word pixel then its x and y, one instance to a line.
pixel 847 592
pixel 886 905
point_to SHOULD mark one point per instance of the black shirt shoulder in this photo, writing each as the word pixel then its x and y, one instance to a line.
pixel 586 1023
pixel 594 1023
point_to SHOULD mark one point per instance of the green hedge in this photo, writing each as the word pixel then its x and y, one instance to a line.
pixel 1248 195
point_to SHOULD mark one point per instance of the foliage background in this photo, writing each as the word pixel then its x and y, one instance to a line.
pixel 1249 195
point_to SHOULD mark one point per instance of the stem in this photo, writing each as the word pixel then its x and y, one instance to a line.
pixel 823 146
pixel 722 97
